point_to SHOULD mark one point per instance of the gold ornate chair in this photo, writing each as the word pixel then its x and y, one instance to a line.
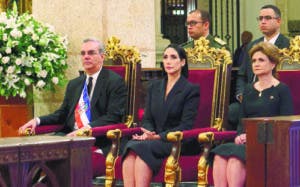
pixel 210 68
pixel 124 60
pixel 288 70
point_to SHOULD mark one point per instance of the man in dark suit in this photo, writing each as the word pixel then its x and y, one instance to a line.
pixel 269 24
pixel 102 90
pixel 198 22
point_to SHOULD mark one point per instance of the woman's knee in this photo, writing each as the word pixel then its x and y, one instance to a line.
pixel 218 158
pixel 130 157
pixel 235 161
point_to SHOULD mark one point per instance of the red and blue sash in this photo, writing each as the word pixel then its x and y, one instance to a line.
pixel 83 110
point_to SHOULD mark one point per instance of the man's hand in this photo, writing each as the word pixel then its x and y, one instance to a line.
pixel 29 125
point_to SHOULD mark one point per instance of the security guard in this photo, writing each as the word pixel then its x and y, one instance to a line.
pixel 197 23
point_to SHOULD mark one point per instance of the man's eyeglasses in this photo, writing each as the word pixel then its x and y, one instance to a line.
pixel 192 23
pixel 267 18
pixel 90 52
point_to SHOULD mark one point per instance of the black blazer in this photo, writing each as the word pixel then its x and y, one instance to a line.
pixel 175 113
pixel 245 73
pixel 107 105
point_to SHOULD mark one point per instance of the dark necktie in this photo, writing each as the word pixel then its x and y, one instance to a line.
pixel 90 85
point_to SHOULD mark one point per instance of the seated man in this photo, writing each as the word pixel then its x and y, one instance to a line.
pixel 95 99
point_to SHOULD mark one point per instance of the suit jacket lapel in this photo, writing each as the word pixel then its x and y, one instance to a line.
pixel 177 88
pixel 99 84
pixel 158 100
pixel 280 42
pixel 77 91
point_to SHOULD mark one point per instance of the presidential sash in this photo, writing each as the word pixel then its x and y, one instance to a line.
pixel 83 109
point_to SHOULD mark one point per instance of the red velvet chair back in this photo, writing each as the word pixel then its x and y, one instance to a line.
pixel 125 61
pixel 291 78
pixel 206 79
pixel 119 69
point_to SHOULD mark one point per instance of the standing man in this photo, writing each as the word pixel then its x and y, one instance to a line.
pixel 269 20
pixel 198 22
pixel 95 99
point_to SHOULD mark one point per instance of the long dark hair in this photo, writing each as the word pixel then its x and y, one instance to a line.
pixel 182 55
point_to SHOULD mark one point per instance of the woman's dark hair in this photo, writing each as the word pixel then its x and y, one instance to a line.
pixel 182 55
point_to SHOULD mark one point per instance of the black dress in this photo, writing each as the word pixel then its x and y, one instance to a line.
pixel 177 112
pixel 274 101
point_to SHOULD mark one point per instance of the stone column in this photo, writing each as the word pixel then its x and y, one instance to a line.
pixel 160 42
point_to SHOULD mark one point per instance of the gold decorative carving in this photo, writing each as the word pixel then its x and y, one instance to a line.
pixel 27 132
pixel 291 55
pixel 174 136
pixel 206 137
pixel 202 53
pixel 218 123
pixel 127 54
pixel 85 131
pixel 202 172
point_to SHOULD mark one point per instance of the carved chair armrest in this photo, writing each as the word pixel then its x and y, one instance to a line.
pixel 131 131
pixel 224 135
pixel 209 137
pixel 102 131
pixel 43 129
pixel 195 132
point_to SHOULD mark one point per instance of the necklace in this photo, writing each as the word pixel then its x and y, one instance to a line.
pixel 260 93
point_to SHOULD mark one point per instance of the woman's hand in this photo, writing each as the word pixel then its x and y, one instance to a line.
pixel 241 139
pixel 147 135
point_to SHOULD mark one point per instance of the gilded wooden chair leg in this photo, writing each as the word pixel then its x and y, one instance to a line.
pixel 202 172
pixel 110 171
pixel 172 172
pixel 110 162
pixel 207 139
pixel 172 169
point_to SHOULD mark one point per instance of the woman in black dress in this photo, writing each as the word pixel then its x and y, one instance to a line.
pixel 171 105
pixel 264 98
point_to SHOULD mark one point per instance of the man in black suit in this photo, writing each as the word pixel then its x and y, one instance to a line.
pixel 106 98
pixel 269 24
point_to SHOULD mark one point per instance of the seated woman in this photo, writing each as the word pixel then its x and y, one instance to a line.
pixel 171 105
pixel 264 98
